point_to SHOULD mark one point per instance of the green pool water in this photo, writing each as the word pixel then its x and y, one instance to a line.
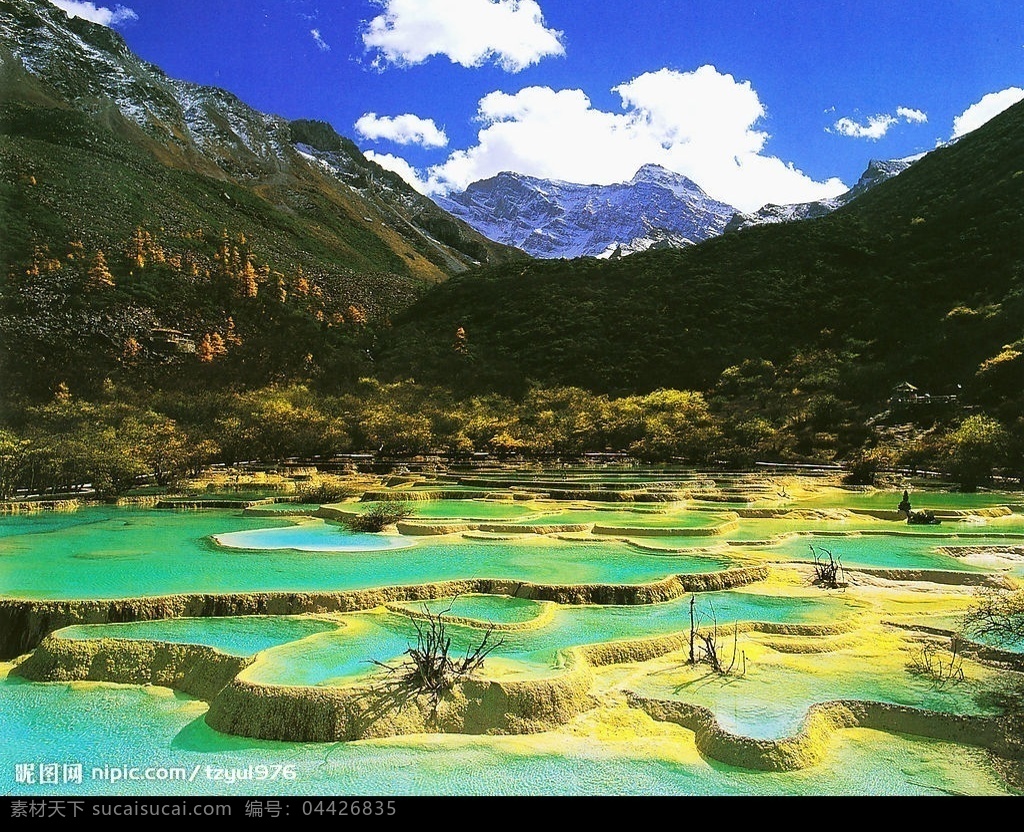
pixel 1010 524
pixel 102 725
pixel 313 536
pixel 285 508
pixel 240 636
pixel 651 518
pixel 493 510
pixel 573 626
pixel 888 552
pixel 470 510
pixel 756 529
pixel 109 552
pixel 920 500
pixel 771 702
pixel 496 609
pixel 343 655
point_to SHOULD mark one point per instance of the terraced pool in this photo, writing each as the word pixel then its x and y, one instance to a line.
pixel 356 600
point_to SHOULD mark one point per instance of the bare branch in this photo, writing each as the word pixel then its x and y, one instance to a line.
pixel 430 669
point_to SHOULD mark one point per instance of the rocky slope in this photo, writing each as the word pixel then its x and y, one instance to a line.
pixel 51 62
pixel 551 219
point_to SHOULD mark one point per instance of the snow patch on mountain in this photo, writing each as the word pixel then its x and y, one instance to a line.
pixel 551 218
pixel 878 171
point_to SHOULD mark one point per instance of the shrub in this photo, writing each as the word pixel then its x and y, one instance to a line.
pixel 379 516
pixel 324 492
pixel 996 617
pixel 942 669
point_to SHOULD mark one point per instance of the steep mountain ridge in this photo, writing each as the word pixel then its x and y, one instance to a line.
pixel 52 60
pixel 550 219
pixel 877 172
pixel 157 232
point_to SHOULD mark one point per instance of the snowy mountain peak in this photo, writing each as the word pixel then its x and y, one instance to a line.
pixel 653 173
pixel 658 175
pixel 550 218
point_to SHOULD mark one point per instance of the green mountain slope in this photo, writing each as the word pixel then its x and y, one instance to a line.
pixel 177 187
pixel 920 279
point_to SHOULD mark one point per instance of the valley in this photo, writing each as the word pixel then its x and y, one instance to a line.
pixel 530 487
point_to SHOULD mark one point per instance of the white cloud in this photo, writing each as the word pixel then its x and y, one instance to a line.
pixel 511 33
pixel 911 115
pixel 990 106
pixel 699 124
pixel 101 15
pixel 403 129
pixel 399 166
pixel 322 45
pixel 878 125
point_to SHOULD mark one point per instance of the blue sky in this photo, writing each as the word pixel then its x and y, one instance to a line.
pixel 756 100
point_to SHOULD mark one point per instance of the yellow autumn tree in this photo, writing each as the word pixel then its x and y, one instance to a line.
pixel 99 274
pixel 231 334
pixel 211 347
pixel 247 284
pixel 131 349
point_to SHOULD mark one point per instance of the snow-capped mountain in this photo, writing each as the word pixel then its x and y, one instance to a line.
pixel 878 171
pixel 550 219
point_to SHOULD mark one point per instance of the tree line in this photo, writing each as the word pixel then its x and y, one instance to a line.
pixel 122 438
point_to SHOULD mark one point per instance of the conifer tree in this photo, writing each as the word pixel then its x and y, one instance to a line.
pixel 99 274
pixel 211 347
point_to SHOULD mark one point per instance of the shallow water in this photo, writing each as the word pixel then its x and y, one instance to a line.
pixel 115 553
pixel 285 508
pixel 110 726
pixel 771 700
pixel 313 536
pixel 105 552
pixel 347 653
pixel 653 518
pixel 494 609
pixel 900 551
pixel 240 636
pixel 920 500
pixel 470 510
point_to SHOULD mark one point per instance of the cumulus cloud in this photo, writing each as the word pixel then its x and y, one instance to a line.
pixel 700 124
pixel 97 14
pixel 403 129
pixel 511 33
pixel 401 167
pixel 877 125
pixel 990 106
pixel 912 116
pixel 321 44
